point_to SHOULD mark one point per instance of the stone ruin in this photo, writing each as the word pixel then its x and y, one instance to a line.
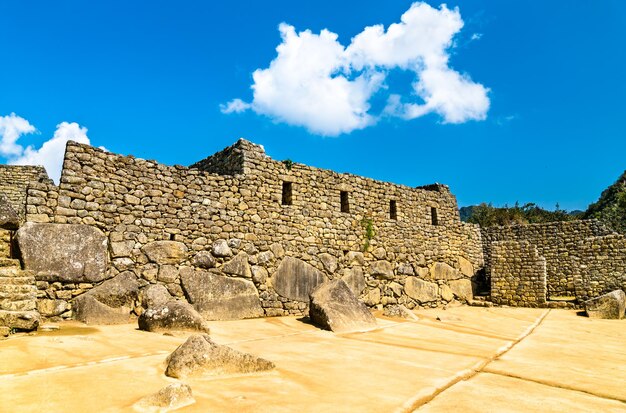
pixel 240 235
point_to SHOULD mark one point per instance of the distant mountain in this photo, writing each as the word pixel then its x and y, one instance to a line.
pixel 611 207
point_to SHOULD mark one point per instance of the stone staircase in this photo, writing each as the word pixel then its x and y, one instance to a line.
pixel 18 293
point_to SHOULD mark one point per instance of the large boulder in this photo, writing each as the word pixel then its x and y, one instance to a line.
pixel 355 279
pixel 217 297
pixel 462 289
pixel 203 259
pixel 443 271
pixel 173 315
pixel 173 397
pixel 20 320
pixel 295 279
pixel 334 307
pixel 611 305
pixel 67 252
pixel 8 217
pixel 91 311
pixel 154 295
pixel 165 252
pixel 201 356
pixel 120 291
pixel 465 266
pixel 420 290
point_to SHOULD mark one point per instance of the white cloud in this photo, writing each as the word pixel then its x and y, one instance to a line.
pixel 317 83
pixel 51 152
pixel 11 128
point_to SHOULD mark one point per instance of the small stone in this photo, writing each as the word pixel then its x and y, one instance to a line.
pixel 168 273
pixel 329 262
pixel 421 290
pixel 382 269
pixel 379 253
pixel 172 315
pixel 203 259
pixel 238 266
pixel 165 252
pixel 173 397
pixel 221 249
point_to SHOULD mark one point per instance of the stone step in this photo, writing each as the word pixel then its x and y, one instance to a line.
pixel 17 281
pixel 32 295
pixel 17 288
pixel 20 320
pixel 18 305
pixel 10 272
pixel 9 262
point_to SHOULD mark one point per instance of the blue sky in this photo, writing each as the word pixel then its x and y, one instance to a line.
pixel 148 79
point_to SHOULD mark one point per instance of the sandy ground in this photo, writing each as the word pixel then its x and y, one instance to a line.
pixel 462 359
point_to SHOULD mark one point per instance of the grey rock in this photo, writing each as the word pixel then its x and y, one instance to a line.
pixel 67 252
pixel 329 262
pixel 395 288
pixel 465 267
pixel 238 266
pixel 382 269
pixel 442 271
pixel 51 308
pixel 90 311
pixel 8 217
pixel 217 297
pixel 122 249
pixel 120 291
pixel 610 305
pixel 265 257
pixel 155 295
pixel 405 269
pixel 20 320
pixel 295 279
pixel 353 258
pixel 379 253
pixel 221 249
pixel 420 290
pixel 203 259
pixel 399 311
pixel 173 397
pixel 334 307
pixel 168 273
pixel 165 252
pixel 173 315
pixel 259 274
pixel 199 355
pixel 355 279
pixel 462 289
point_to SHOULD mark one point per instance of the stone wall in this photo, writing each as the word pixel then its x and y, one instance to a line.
pixel 518 274
pixel 601 266
pixel 555 241
pixel 238 226
pixel 14 179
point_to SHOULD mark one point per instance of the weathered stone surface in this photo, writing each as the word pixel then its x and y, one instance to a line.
pixel 154 295
pixel 462 289
pixel 199 355
pixel 355 279
pixel 420 290
pixel 295 279
pixel 238 266
pixel 465 267
pixel 329 262
pixel 259 274
pixel 165 252
pixel 122 249
pixel 399 311
pixel 446 293
pixel 221 248
pixel 8 216
pixel 51 308
pixel 120 291
pixel 610 306
pixel 405 269
pixel 442 271
pixel 217 297
pixel 168 273
pixel 203 259
pixel 334 307
pixel 354 258
pixel 20 320
pixel 373 297
pixel 173 315
pixel 395 288
pixel 90 311
pixel 379 253
pixel 173 397
pixel 382 269
pixel 69 252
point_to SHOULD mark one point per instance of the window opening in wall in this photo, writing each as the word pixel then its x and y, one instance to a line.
pixel 345 203
pixel 433 216
pixel 171 237
pixel 287 194
pixel 393 209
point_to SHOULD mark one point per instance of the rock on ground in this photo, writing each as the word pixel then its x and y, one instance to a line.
pixel 199 355
pixel 611 305
pixel 295 279
pixel 67 252
pixel 91 311
pixel 173 315
pixel 20 320
pixel 217 297
pixel 399 311
pixel 334 307
pixel 172 397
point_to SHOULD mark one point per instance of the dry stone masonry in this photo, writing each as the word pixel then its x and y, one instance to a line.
pixel 240 235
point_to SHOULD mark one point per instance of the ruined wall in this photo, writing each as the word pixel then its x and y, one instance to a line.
pixel 601 263
pixel 136 202
pixel 14 180
pixel 518 274
pixel 555 241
